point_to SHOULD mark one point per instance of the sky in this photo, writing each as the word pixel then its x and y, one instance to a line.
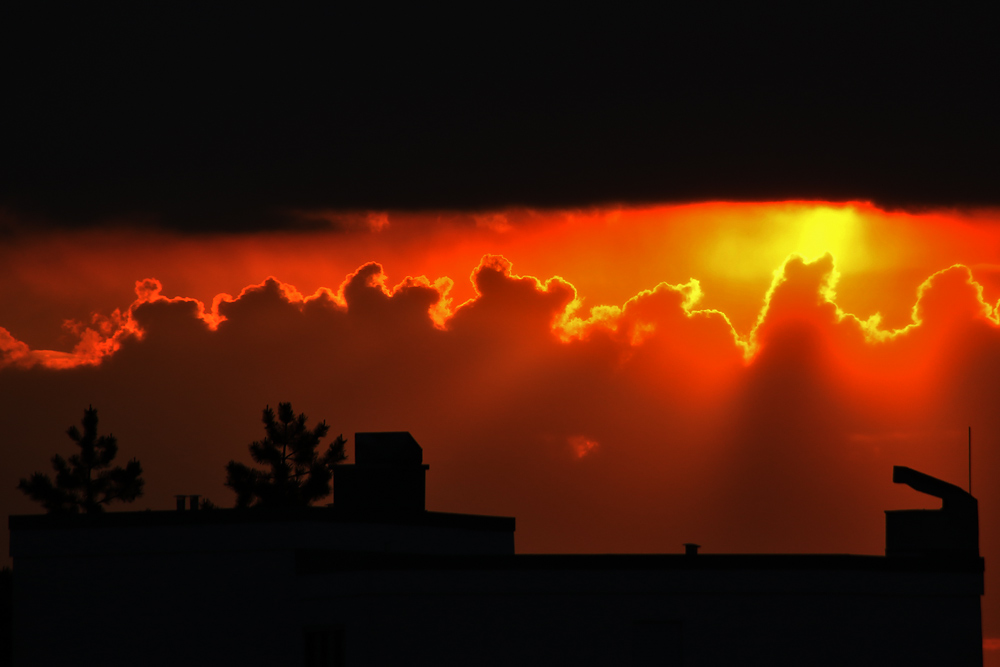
pixel 692 277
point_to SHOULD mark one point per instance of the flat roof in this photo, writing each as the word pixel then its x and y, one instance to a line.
pixel 252 515
pixel 316 561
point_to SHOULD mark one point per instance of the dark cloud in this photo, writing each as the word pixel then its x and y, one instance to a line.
pixel 244 121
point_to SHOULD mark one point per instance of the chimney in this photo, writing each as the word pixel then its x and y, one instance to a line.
pixel 180 503
pixel 691 549
pixel 194 502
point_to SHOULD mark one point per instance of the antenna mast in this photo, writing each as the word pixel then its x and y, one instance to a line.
pixel 970 460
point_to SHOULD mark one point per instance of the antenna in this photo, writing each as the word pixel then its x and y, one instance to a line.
pixel 970 460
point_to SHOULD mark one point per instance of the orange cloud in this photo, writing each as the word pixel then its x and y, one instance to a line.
pixel 582 445
pixel 663 325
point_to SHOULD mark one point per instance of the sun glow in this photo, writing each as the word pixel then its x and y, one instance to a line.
pixel 743 250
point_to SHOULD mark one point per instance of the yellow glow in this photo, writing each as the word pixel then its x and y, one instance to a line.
pixel 771 233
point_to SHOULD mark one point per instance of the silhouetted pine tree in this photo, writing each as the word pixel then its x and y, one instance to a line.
pixel 86 482
pixel 296 474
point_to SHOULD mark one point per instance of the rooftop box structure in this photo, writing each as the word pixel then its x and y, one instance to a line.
pixel 952 530
pixel 388 476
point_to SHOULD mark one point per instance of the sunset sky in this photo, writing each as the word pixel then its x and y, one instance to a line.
pixel 635 292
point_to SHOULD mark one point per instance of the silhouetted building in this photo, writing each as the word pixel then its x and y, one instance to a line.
pixel 378 580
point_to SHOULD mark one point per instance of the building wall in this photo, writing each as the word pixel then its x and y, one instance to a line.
pixel 253 608
pixel 611 616
pixel 200 590
pixel 154 609
pixel 166 588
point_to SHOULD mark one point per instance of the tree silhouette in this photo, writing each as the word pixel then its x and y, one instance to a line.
pixel 297 475
pixel 86 482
